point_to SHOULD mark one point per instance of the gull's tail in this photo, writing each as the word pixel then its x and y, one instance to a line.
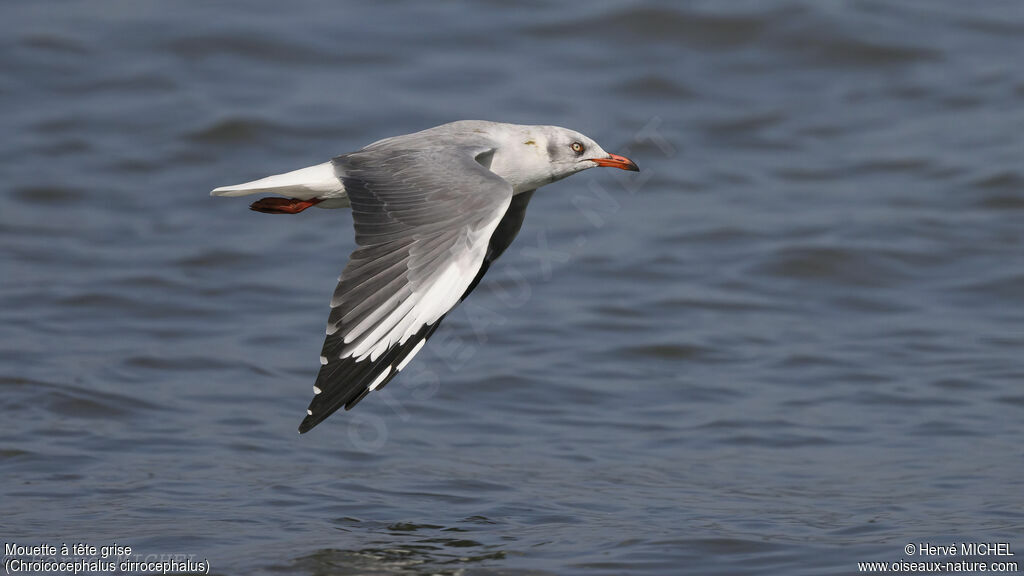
pixel 316 185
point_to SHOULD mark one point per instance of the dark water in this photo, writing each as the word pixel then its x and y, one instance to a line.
pixel 795 341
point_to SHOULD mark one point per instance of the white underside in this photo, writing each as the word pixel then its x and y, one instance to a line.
pixel 318 181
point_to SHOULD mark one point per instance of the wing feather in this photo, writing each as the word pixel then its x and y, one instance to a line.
pixel 424 217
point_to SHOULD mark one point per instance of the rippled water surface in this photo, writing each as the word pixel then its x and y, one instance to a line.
pixel 791 343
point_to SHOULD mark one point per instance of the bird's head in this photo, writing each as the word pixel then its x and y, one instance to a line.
pixel 531 156
pixel 569 152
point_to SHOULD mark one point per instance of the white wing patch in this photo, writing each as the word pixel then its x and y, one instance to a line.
pixel 412 353
pixel 376 381
pixel 431 298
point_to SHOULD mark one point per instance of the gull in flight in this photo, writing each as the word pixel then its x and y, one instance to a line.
pixel 431 210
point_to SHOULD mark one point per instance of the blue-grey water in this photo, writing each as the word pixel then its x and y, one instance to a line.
pixel 793 342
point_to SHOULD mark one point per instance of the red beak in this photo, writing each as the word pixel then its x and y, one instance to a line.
pixel 616 161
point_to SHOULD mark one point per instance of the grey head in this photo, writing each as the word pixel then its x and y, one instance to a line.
pixel 526 156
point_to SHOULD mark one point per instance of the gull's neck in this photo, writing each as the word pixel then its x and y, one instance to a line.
pixel 521 158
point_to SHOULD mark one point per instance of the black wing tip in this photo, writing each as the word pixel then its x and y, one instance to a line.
pixel 308 423
pixel 311 420
pixel 334 398
pixel 351 403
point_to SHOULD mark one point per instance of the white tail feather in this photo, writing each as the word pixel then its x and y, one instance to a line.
pixel 317 181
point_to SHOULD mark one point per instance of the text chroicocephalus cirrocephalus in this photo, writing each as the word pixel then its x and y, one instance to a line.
pixel 431 211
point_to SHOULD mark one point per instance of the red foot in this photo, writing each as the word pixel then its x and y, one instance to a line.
pixel 274 205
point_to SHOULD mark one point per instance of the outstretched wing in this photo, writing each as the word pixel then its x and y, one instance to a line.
pixel 424 218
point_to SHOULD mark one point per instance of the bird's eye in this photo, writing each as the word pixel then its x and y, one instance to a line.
pixel 577 147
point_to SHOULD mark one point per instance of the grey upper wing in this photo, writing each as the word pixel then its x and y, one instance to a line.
pixel 424 218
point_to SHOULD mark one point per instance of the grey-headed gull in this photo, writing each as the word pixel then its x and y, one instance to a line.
pixel 431 211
